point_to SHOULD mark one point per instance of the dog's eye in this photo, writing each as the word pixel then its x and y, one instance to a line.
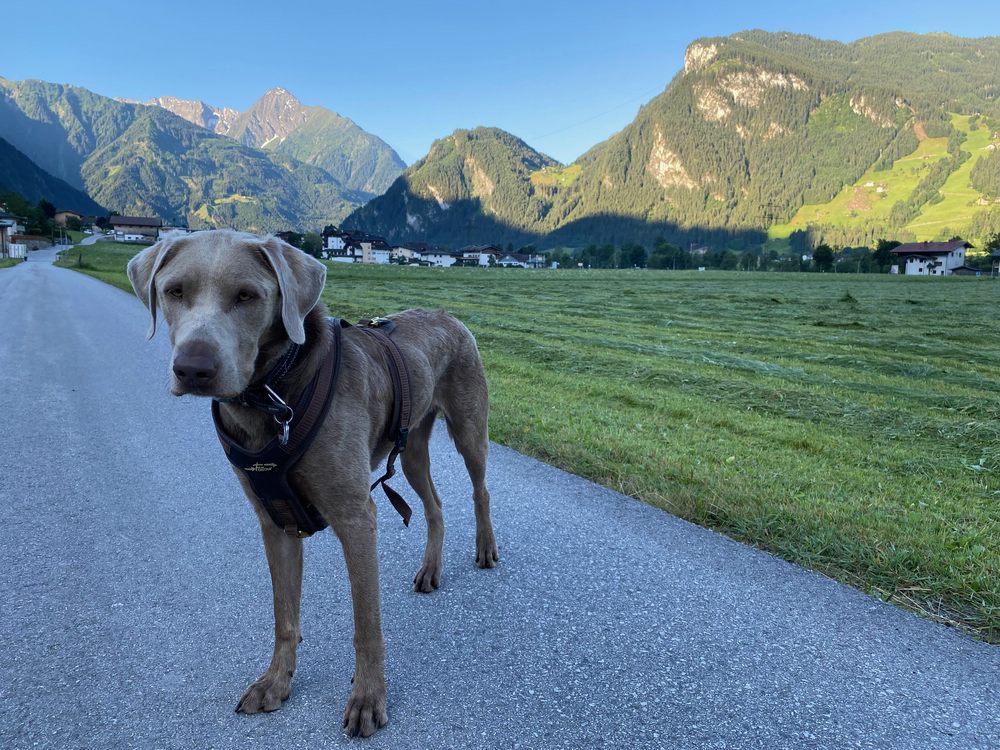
pixel 175 292
pixel 244 297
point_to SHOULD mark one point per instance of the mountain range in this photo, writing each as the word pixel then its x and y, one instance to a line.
pixel 756 126
pixel 280 123
pixel 146 159
pixel 761 137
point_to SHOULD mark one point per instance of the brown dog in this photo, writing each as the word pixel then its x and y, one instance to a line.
pixel 233 302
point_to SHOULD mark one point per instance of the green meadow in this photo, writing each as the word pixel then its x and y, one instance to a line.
pixel 850 424
pixel 959 204
pixel 872 197
pixel 862 201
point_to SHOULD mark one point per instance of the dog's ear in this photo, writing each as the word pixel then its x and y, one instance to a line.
pixel 142 273
pixel 300 281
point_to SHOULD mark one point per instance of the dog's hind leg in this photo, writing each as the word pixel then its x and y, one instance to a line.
pixel 284 558
pixel 416 463
pixel 469 431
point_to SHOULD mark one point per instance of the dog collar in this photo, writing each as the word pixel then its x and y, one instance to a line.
pixel 262 396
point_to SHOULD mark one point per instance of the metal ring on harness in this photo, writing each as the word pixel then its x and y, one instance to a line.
pixel 289 414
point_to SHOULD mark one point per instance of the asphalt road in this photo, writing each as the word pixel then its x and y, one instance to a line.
pixel 136 604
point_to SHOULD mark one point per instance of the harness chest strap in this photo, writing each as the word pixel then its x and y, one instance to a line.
pixel 267 469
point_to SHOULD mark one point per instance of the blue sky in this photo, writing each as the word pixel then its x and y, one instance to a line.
pixel 561 75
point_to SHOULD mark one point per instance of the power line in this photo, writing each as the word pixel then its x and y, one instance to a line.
pixel 595 117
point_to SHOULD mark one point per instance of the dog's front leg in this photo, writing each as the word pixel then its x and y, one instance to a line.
pixel 366 707
pixel 284 558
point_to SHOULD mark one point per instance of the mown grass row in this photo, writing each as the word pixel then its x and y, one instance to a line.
pixel 847 423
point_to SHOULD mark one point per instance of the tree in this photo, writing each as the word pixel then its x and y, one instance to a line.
pixel 823 257
pixel 633 256
pixel 992 243
pixel 312 244
pixel 73 224
pixel 47 209
pixel 883 253
pixel 563 258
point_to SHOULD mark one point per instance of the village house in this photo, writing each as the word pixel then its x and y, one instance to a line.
pixel 440 258
pixel 349 246
pixel 931 258
pixel 375 251
pixel 410 252
pixel 63 214
pixel 479 255
pixel 9 227
pixel 334 239
pixel 136 228
pixel 347 250
pixel 521 260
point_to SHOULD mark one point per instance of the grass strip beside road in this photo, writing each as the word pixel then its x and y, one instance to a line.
pixel 847 423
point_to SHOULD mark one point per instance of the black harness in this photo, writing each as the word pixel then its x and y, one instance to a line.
pixel 267 469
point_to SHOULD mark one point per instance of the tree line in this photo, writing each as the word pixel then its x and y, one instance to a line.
pixel 663 255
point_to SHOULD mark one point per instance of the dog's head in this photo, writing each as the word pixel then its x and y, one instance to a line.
pixel 226 297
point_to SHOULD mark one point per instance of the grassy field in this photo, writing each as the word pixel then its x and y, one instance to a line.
pixel 861 202
pixel 847 423
pixel 9 262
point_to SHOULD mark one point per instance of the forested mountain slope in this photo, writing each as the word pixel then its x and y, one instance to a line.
pixel 20 175
pixel 755 126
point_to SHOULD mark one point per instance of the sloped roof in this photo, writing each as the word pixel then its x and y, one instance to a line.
pixel 136 221
pixel 929 248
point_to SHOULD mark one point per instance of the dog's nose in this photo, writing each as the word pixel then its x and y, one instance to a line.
pixel 195 364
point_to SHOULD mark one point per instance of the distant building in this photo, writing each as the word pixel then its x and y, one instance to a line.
pixel 63 214
pixel 333 239
pixel 8 228
pixel 136 228
pixel 479 255
pixel 351 246
pixel 439 258
pixel 966 271
pixel 411 252
pixel 931 258
pixel 521 260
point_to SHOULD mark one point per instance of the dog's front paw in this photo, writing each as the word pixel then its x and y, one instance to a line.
pixel 427 578
pixel 365 713
pixel 266 694
pixel 486 549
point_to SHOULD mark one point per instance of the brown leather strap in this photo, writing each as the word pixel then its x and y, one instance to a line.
pixel 321 394
pixel 399 427
pixel 267 470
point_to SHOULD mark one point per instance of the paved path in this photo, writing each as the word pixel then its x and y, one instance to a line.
pixel 136 604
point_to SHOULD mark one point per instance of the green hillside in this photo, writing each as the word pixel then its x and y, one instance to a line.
pixel 18 174
pixel 358 159
pixel 866 206
pixel 472 184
